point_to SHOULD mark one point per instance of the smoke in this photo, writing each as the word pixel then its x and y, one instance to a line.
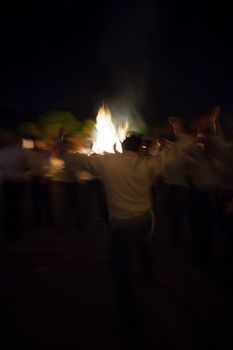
pixel 125 107
pixel 124 52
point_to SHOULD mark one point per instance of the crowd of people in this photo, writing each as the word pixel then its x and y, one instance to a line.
pixel 187 177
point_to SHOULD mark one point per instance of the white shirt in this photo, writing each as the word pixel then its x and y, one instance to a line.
pixel 38 162
pixel 207 170
pixel 186 160
pixel 176 162
pixel 127 177
pixel 13 163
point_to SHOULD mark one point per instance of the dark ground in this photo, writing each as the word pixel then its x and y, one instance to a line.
pixel 57 292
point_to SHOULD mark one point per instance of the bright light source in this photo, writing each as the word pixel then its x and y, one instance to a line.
pixel 107 137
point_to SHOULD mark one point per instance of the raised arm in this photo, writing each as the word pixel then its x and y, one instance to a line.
pixel 176 123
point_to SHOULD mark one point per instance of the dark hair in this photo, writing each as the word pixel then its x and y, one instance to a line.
pixel 132 142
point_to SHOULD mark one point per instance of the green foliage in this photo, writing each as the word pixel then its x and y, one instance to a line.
pixel 87 127
pixel 54 120
pixel 29 130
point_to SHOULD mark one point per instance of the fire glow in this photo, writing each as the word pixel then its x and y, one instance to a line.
pixel 108 138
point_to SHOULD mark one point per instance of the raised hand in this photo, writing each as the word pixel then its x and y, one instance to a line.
pixel 174 121
pixel 215 113
pixel 176 124
pixel 208 120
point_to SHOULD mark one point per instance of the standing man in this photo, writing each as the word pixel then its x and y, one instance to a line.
pixel 128 178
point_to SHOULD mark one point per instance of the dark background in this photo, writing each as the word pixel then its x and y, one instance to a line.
pixel 153 58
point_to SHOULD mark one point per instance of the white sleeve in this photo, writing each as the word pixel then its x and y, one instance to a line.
pixel 173 155
pixel 77 161
pixel 94 165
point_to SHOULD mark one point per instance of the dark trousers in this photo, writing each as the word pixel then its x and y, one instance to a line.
pixel 127 238
pixel 13 209
pixel 65 204
pixel 92 201
pixel 176 208
pixel 71 193
pixel 42 202
pixel 201 224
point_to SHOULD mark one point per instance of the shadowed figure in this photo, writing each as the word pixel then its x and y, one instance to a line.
pixel 13 166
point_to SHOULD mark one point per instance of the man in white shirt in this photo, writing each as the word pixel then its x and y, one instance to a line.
pixel 128 178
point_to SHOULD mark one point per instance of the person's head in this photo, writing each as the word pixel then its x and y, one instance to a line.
pixel 132 142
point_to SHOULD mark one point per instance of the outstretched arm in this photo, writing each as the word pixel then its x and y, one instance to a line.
pixel 209 120
pixel 77 161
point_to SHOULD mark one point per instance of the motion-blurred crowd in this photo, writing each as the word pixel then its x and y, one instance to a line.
pixel 40 189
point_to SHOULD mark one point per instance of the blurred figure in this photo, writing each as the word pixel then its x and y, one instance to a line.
pixel 91 198
pixel 128 178
pixel 89 194
pixel 199 206
pixel 159 187
pixel 127 182
pixel 127 189
pixel 66 183
pixel 38 161
pixel 13 168
pixel 173 190
pixel 211 182
pixel 205 177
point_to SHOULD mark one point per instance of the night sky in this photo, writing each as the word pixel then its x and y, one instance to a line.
pixel 155 58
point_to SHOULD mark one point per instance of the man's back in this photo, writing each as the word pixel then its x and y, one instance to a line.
pixel 127 181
